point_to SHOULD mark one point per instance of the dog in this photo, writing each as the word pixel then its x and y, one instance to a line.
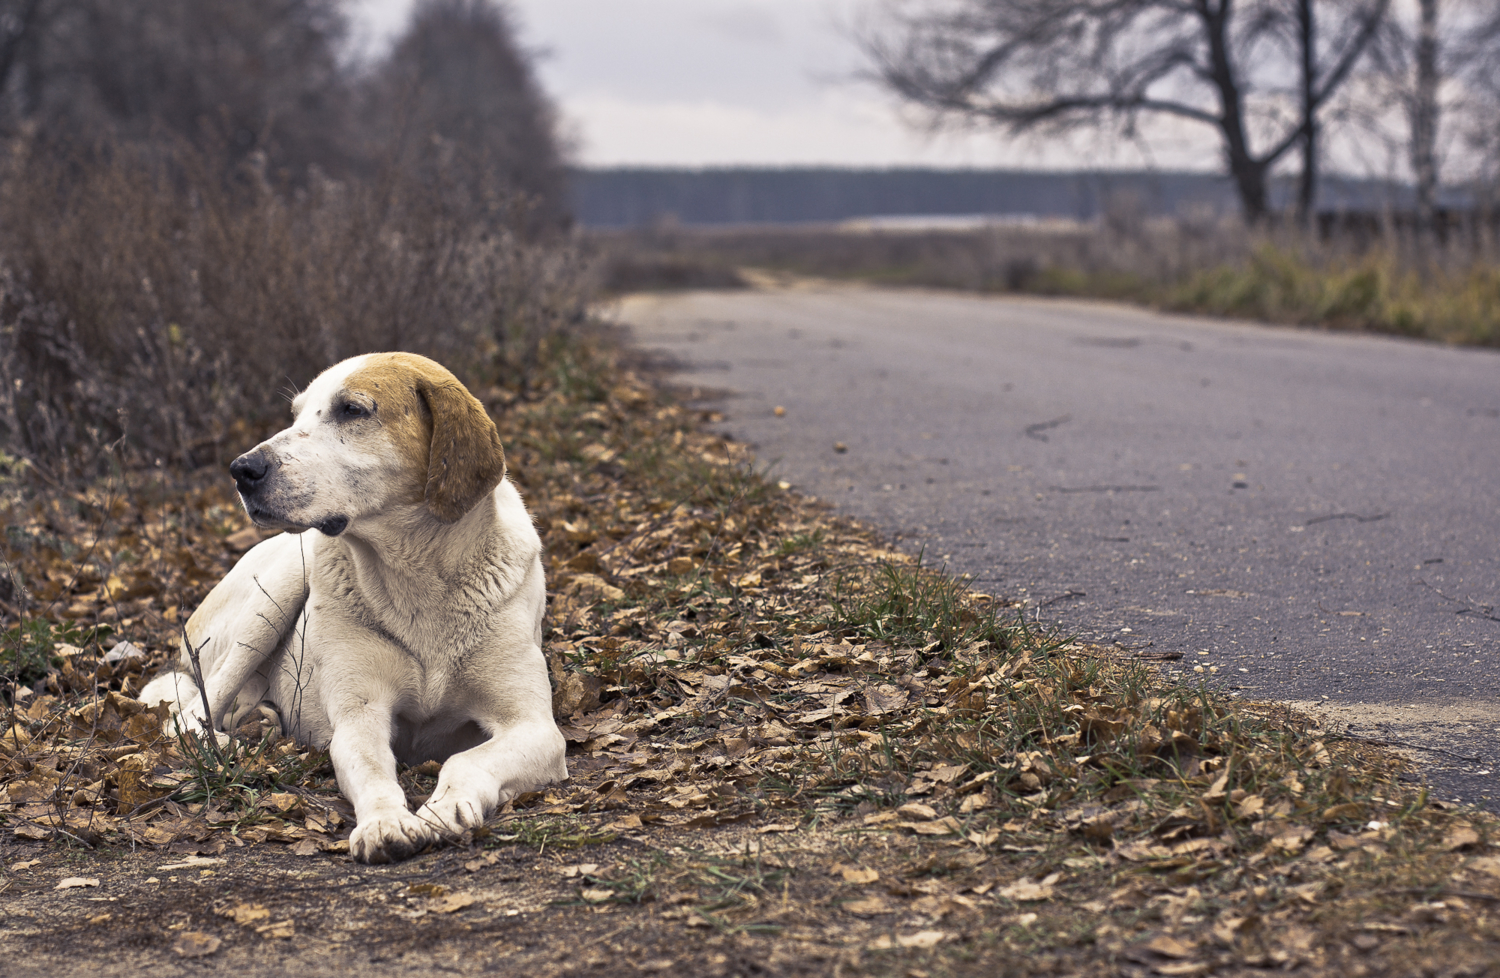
pixel 408 627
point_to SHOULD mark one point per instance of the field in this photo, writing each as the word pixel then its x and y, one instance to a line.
pixel 1447 292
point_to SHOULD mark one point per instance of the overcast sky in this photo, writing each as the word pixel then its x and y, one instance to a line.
pixel 723 82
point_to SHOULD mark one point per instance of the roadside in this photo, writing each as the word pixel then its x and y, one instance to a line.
pixel 1300 515
pixel 794 751
pixel 1379 283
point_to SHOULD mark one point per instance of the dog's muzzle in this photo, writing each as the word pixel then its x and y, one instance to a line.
pixel 250 471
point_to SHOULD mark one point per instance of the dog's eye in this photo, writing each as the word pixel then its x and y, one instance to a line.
pixel 352 410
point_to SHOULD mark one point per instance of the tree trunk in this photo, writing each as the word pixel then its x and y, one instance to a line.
pixel 1248 173
pixel 15 32
pixel 1308 189
pixel 1424 116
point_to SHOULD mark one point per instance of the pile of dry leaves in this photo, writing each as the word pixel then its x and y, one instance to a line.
pixel 725 651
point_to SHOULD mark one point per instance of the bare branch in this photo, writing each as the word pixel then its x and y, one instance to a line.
pixel 1026 64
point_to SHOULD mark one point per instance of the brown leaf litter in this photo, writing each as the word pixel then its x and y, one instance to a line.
pixel 730 660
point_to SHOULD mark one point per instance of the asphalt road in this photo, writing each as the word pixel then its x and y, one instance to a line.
pixel 1312 515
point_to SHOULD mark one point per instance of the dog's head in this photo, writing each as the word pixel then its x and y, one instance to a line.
pixel 370 435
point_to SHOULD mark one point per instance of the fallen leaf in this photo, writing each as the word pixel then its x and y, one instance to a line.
pixel 191 862
pixel 866 906
pixel 1250 805
pixel 24 865
pixel 242 540
pixel 1460 835
pixel 307 847
pixel 921 939
pixel 1227 927
pixel 246 914
pixel 1170 947
pixel 196 944
pixel 283 801
pixel 454 902
pixel 76 882
pixel 1292 838
pixel 1489 865
pixel 1350 809
pixel 1027 891
pixel 915 809
pixel 282 929
pixel 597 895
pixel 948 825
pixel 885 699
pixel 858 876
pixel 1379 927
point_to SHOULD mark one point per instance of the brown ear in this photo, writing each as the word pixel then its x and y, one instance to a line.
pixel 466 461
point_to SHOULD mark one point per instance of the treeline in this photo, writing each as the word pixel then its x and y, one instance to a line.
pixel 204 202
pixel 272 79
pixel 637 197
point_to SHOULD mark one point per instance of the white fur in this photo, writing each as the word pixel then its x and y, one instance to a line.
pixel 402 638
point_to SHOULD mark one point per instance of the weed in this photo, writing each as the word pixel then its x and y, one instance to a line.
pixel 913 605
pixel 26 649
pixel 233 774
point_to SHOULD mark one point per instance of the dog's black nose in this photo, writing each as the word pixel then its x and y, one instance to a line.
pixel 249 470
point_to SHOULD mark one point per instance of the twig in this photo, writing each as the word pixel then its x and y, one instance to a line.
pixel 1356 517
pixel 1462 894
pixel 62 831
pixel 1035 430
pixel 208 710
pixel 1484 611
pixel 1070 593
pixel 1406 744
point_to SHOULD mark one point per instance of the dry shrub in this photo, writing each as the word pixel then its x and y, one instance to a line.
pixel 170 303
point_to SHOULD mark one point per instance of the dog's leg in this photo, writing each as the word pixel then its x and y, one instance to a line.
pixel 180 693
pixel 385 830
pixel 235 630
pixel 473 783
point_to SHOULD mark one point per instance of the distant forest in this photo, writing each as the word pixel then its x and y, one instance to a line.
pixel 639 197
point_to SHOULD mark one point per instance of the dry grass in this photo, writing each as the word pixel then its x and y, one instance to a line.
pixel 1450 294
pixel 158 303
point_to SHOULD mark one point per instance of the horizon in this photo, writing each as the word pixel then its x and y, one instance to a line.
pixel 768 83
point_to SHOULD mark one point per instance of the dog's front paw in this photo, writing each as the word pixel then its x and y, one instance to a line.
pixel 389 837
pixel 451 812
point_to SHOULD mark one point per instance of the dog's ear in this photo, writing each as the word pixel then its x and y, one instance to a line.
pixel 466 461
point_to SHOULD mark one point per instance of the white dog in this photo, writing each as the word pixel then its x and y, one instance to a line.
pixel 410 627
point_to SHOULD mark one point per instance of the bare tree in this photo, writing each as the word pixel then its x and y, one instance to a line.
pixel 18 21
pixel 1435 63
pixel 457 94
pixel 1054 64
pixel 262 76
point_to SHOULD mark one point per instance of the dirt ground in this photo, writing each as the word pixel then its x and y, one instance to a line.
pixel 527 909
pixel 742 900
